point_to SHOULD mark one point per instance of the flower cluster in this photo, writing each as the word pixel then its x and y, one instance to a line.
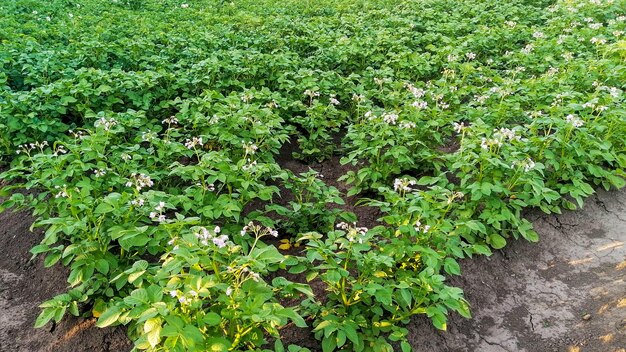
pixel 212 236
pixel 574 120
pixel 172 120
pixel 62 192
pixel 311 93
pixel 249 165
pixel 407 124
pixel 77 134
pixel 506 133
pixel 181 297
pixel 59 150
pixel 526 165
pixel 139 202
pixel 273 104
pixel 420 104
pixel 459 127
pixel 421 228
pixel 148 136
pixel 353 232
pixel 416 92
pixel 207 187
pixel 27 148
pixel 403 184
pixel 249 148
pixel 139 181
pixel 390 118
pixel 258 230
pixel 247 97
pixel 158 215
pixel 193 142
pixel 105 123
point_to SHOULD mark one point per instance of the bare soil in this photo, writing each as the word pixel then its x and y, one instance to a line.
pixel 565 293
pixel 25 283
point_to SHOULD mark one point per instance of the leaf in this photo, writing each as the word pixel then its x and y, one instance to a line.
pixel 278 346
pixel 217 344
pixel 305 289
pixel 295 317
pixel 323 325
pixel 137 297
pixel 45 316
pixel 349 329
pixel 212 319
pixel 103 88
pixel 267 254
pixel 98 308
pixel 329 344
pixel 103 208
pixel 497 241
pixel 437 317
pixel 341 338
pixel 154 336
pixel 482 249
pixel 531 235
pixel 384 296
pixel 52 259
pixel 102 266
pixel 134 276
pixel 405 346
pixel 285 244
pixel 451 266
pixel 485 187
pixel 151 324
pixel 109 317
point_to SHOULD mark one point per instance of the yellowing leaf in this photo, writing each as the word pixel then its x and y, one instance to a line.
pixel 285 244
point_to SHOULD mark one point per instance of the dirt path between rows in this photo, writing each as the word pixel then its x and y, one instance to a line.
pixel 566 293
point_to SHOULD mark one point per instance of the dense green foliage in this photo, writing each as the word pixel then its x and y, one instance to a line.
pixel 148 134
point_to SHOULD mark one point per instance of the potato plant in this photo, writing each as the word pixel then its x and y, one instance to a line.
pixel 148 139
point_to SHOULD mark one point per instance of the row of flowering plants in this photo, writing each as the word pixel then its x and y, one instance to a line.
pixel 149 150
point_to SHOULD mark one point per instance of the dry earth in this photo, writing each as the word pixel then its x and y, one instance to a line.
pixel 566 293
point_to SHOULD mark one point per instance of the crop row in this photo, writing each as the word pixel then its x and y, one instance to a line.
pixel 149 133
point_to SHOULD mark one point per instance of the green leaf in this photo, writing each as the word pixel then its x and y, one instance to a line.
pixel 45 316
pixel 268 254
pixel 341 338
pixel 103 208
pixel 405 346
pixel 451 266
pixel 109 317
pixel 217 344
pixel 52 259
pixel 497 241
pixel 102 266
pixel 212 319
pixel 329 344
pixel 278 346
pixel 485 187
pixel 295 317
pixel 323 325
pixel 350 330
pixel 482 249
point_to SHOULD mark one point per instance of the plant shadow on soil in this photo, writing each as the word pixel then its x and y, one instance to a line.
pixel 565 293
